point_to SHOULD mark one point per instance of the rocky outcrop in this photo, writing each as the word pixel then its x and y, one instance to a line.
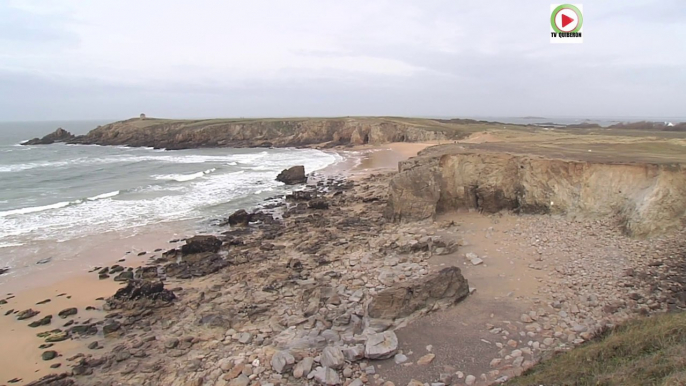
pixel 185 134
pixel 60 135
pixel 293 175
pixel 442 288
pixel 646 198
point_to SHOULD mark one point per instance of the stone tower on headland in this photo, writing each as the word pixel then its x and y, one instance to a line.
pixel 142 116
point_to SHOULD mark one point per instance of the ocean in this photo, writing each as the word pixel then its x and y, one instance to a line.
pixel 60 193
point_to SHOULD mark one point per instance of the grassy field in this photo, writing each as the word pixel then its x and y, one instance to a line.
pixel 644 352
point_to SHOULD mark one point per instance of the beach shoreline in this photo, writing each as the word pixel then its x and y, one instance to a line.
pixel 76 278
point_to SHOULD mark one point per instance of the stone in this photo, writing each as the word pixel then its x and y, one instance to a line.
pixel 525 318
pixel 415 382
pixel 239 218
pixel 27 314
pixel 68 312
pixel 244 338
pixel 200 244
pixel 171 343
pixel 111 328
pixel 41 322
pixel 381 346
pixel 241 380
pixel 399 359
pixel 325 376
pixel 354 353
pixel 318 203
pixel 56 336
pixel 303 368
pixel 426 359
pixel 445 287
pixel 49 355
pixel 282 361
pixel 124 276
pixel 470 380
pixel 293 175
pixel 332 357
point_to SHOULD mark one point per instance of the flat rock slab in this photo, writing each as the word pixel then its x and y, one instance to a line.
pixel 445 287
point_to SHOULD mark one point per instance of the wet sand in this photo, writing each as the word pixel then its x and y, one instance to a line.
pixel 70 275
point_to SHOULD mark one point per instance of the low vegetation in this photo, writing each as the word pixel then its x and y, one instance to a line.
pixel 643 352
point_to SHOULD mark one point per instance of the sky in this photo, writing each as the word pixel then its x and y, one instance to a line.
pixel 74 59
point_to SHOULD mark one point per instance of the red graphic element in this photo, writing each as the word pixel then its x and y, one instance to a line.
pixel 566 20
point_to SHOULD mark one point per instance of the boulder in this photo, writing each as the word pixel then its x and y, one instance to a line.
pixel 239 218
pixel 200 244
pixel 4 271
pixel 54 380
pixel 381 346
pixel 325 376
pixel 303 368
pixel 333 357
pixel 442 288
pixel 282 361
pixel 292 176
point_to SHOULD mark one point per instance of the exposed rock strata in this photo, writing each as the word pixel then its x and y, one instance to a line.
pixel 647 198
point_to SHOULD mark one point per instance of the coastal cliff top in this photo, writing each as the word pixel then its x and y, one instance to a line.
pixel 599 147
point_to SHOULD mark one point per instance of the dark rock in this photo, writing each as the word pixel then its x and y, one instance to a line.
pixel 4 271
pixel 104 270
pixel 111 328
pixel 445 287
pixel 59 135
pixel 142 253
pixel 142 290
pixel 9 312
pixel 318 203
pixel 44 261
pixel 147 273
pixel 124 276
pixel 49 355
pixel 43 302
pixel 103 276
pixel 45 346
pixel 68 312
pixel 292 176
pixel 94 345
pixel 199 244
pixel 239 218
pixel 27 314
pixel 42 322
pixel 56 336
pixel 84 329
pixel 55 365
pixel 116 268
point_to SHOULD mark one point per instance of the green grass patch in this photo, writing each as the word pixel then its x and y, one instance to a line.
pixel 644 352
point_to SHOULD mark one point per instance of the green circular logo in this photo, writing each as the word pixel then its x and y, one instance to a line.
pixel 570 7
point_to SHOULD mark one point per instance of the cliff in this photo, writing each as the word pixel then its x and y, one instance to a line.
pixel 182 134
pixel 646 197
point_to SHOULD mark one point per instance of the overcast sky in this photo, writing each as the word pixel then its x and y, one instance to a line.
pixel 74 59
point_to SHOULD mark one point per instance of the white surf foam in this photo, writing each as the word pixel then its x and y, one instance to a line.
pixel 104 195
pixel 184 177
pixel 34 209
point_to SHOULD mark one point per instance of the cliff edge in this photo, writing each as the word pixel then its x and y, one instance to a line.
pixel 646 198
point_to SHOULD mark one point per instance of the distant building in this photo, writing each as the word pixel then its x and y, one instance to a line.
pixel 142 116
pixel 669 124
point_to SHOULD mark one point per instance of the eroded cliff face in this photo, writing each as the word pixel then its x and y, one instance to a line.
pixel 647 198
pixel 256 133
